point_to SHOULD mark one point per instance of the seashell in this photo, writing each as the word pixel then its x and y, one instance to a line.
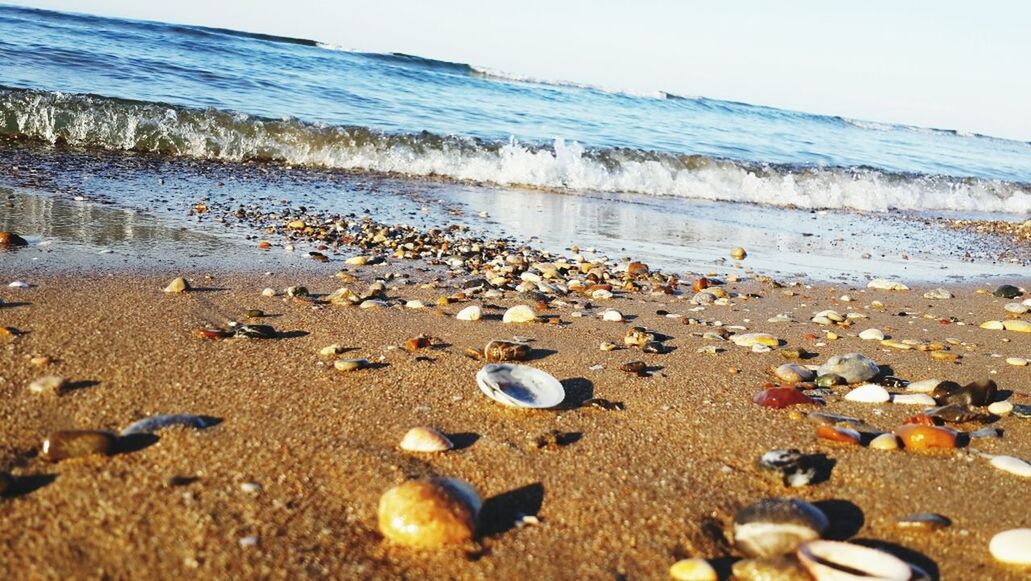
pixel 1012 465
pixel 520 386
pixel 783 568
pixel 913 399
pixel 1018 326
pixel 826 419
pixel 66 444
pixel 612 315
pixel 653 347
pixel 268 292
pixel 607 346
pixel 177 285
pixel 1017 361
pixel 919 437
pixel 343 296
pixel 415 304
pixel 1012 546
pixel 885 442
pixel 496 351
pixel 938 294
pixel 48 384
pixel 872 335
pixel 429 513
pixel 255 331
pixel 1016 308
pixel 923 386
pixel 1007 291
pixel 350 364
pixel 793 373
pixel 830 315
pixel 794 468
pixel 152 424
pixel 1000 408
pixel 777 526
pixel 977 393
pixel 425 439
pixel 882 284
pixel 840 561
pixel 692 570
pixel 868 393
pixel 519 314
pixel 750 339
pixel 470 313
pixel 637 336
pixel 738 253
pixel 781 397
pixel 923 521
pixel 853 367
pixel 637 367
pixel 836 434
pixel 416 343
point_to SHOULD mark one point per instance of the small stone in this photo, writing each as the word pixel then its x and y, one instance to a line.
pixel 872 335
pixel 738 253
pixel 66 444
pixel 868 393
pixel 923 522
pixel 923 386
pixel 48 385
pixel 19 284
pixel 882 284
pixel 415 304
pixel 913 399
pixel 178 285
pixel 1007 291
pixel 9 239
pixel 829 380
pixel 750 339
pixel 601 294
pixel 836 434
pixel 350 364
pixel 416 343
pixel 250 487
pixel 782 397
pixel 693 570
pixel 1016 308
pixel 854 367
pixel 1000 408
pixel 268 292
pixel 938 294
pixel 357 260
pixel 40 361
pixel 793 373
pixel 607 346
pixel 1018 326
pixel 430 513
pixel 1012 547
pixel 920 437
pixel 946 356
pixel 519 314
pixel 639 368
pixel 248 541
pixel 612 315
pixel 1017 361
pixel 885 442
pixel 470 313
pixel 296 291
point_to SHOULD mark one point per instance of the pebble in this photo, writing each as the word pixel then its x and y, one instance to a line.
pixel 415 304
pixel 738 253
pixel 853 367
pixel 750 339
pixel 612 315
pixel 48 385
pixel 19 284
pixel 248 541
pixel 913 399
pixel 885 442
pixel 519 314
pixel 882 284
pixel 872 335
pixel 601 294
pixel 425 440
pixel 793 373
pixel 350 364
pixel 1018 326
pixel 1000 408
pixel 1007 291
pixel 836 434
pixel 923 386
pixel 66 444
pixel 1017 361
pixel 470 313
pixel 11 239
pixel 429 513
pixel 1016 308
pixel 250 487
pixel 693 570
pixel 1012 465
pixel 607 346
pixel 178 285
pixel 923 522
pixel 938 294
pixel 992 325
pixel 1012 547
pixel 920 437
pixel 268 292
pixel 869 393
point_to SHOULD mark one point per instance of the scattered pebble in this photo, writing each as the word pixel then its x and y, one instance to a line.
pixel 519 314
pixel 1012 547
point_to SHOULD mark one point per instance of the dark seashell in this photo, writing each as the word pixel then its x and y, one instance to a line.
pixel 506 351
pixel 653 347
pixel 794 468
pixel 604 404
pixel 986 433
pixel 254 313
pixel 777 526
pixel 981 392
pixel 11 239
pixel 956 414
pixel 924 521
pixel 254 331
pixel 1021 410
pixel 475 283
pixel 318 256
pixel 892 381
pixel 638 367
pixel 1007 291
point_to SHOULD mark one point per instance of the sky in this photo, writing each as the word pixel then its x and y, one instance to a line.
pixel 934 63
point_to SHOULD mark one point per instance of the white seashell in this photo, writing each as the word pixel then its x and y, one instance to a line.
pixel 519 314
pixel 693 570
pixel 1012 465
pixel 830 314
pixel 612 315
pixel 1018 308
pixel 520 386
pixel 923 386
pixel 1017 361
pixel 992 325
pixel 48 384
pixel 155 423
pixel 872 335
pixel 268 292
pixel 750 339
pixel 19 284
pixel 415 304
pixel 868 393
pixel 601 294
pixel 887 441
pixel 1000 408
pixel 1019 326
pixel 425 439
pixel 1012 546
pixel 913 399
pixel 777 526
pixel 882 284
pixel 177 285
pixel 838 561
pixel 470 313
pixel 782 318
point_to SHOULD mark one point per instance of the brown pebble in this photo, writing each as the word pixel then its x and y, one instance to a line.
pixel 416 343
pixel 429 513
pixel 65 444
pixel 11 239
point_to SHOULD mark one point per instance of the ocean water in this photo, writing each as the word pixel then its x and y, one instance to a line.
pixel 232 96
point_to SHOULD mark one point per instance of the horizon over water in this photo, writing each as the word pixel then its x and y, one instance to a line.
pixel 554 161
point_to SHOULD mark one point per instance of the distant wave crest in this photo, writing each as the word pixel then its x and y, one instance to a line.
pixel 115 124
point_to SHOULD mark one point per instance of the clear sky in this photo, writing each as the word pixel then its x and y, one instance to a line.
pixel 936 63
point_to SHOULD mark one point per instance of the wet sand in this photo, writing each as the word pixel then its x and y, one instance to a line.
pixel 626 494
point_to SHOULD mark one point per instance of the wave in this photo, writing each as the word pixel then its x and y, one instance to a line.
pixel 499 75
pixel 212 134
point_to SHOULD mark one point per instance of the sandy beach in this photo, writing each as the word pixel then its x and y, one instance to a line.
pixel 287 483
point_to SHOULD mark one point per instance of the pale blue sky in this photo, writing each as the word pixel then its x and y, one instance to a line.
pixel 935 63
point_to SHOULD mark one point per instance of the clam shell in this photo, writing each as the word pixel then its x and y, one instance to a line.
pixel 429 513
pixel 152 424
pixel 777 526
pixel 496 351
pixel 520 386
pixel 838 561
pixel 425 439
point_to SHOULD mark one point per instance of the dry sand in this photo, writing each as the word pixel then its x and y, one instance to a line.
pixel 628 494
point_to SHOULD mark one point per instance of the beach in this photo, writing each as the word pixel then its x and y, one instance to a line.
pixel 287 483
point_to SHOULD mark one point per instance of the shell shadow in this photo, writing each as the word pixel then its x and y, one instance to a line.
pixel 906 554
pixel 500 513
pixel 845 517
pixel 28 484
pixel 136 442
pixel 578 390
pixel 540 354
pixel 463 440
pixel 291 334
pixel 14 304
pixel 82 384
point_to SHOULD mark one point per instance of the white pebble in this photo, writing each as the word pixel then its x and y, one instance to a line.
pixel 1000 408
pixel 415 304
pixel 470 313
pixel 868 393
pixel 923 386
pixel 519 314
pixel 1017 361
pixel 612 315
pixel 268 292
pixel 872 335
pixel 913 399
pixel 249 541
pixel 1012 546
pixel 19 284
pixel 250 487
